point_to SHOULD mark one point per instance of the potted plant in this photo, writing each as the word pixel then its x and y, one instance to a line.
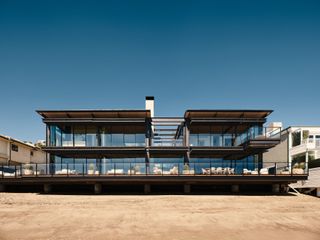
pixel 91 169
pixel 28 169
pixel 186 169
pixel 298 168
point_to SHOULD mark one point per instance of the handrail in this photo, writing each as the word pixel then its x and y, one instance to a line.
pixel 152 168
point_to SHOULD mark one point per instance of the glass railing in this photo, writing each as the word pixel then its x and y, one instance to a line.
pixel 231 140
pixel 158 169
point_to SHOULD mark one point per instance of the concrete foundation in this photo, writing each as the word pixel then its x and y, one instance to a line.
pixel 235 188
pixel 147 188
pixel 275 188
pixel 2 187
pixel 47 188
pixel 97 188
pixel 186 188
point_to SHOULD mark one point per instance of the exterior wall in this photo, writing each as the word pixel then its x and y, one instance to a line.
pixel 23 155
pixel 278 153
pixel 38 156
pixel 4 150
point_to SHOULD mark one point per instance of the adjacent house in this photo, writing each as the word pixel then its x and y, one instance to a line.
pixel 14 152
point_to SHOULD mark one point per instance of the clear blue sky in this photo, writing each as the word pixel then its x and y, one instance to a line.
pixel 188 54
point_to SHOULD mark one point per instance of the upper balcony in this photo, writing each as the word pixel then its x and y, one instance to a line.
pixel 306 145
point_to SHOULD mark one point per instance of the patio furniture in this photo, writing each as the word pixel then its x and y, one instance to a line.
pixel 264 171
pixel 188 172
pixel 297 171
pixel 246 171
pixel 219 170
pixel 117 171
pixel 65 171
pixel 205 171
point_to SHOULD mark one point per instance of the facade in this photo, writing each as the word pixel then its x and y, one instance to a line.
pixel 299 145
pixel 133 147
pixel 13 151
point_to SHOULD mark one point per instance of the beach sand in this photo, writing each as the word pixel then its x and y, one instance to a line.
pixel 38 216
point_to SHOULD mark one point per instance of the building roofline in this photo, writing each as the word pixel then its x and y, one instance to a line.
pixel 267 112
pixel 19 141
pixel 44 113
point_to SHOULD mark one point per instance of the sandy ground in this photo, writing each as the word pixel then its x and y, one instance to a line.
pixel 36 216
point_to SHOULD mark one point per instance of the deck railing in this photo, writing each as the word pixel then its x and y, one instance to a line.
pixel 213 168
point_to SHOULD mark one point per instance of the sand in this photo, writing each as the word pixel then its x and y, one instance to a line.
pixel 37 216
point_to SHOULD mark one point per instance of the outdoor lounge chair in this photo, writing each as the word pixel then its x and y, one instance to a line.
pixel 264 171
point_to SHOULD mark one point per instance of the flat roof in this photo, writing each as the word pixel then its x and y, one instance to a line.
pixel 224 113
pixel 97 113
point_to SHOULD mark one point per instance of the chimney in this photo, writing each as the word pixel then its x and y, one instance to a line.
pixel 150 104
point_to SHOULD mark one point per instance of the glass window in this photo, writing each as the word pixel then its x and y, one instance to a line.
pixel 193 139
pixel 67 136
pixel 52 136
pixel 216 140
pixel 140 139
pixel 105 137
pixel 204 140
pixel 80 165
pixel 79 136
pixel 227 140
pixel 117 140
pixel 92 136
pixel 129 140
pixel 296 138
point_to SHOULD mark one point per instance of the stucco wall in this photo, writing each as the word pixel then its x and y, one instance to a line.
pixel 23 155
pixel 278 153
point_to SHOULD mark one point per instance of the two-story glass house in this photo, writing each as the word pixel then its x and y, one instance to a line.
pixel 204 147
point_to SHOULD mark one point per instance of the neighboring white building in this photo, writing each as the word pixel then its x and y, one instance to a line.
pixel 13 151
pixel 299 145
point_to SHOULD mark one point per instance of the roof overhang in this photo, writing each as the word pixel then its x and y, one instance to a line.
pixel 227 114
pixel 94 114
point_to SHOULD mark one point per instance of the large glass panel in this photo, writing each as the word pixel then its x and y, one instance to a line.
pixel 296 138
pixel 92 136
pixel 105 137
pixel 79 136
pixel 58 137
pixel 193 139
pixel 67 166
pixel 80 165
pixel 117 140
pixel 52 138
pixel 140 139
pixel 204 140
pixel 129 140
pixel 216 140
pixel 227 139
pixel 67 136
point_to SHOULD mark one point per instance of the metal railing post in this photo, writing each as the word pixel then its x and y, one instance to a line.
pixel 15 171
pixel 21 170
pixel 36 169
pixel 2 171
pixel 82 169
pixel 275 168
pixel 67 169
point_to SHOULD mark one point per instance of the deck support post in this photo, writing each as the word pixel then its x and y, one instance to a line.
pixel 275 188
pixel 2 187
pixel 147 188
pixel 97 188
pixel 318 192
pixel 235 188
pixel 186 188
pixel 47 188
